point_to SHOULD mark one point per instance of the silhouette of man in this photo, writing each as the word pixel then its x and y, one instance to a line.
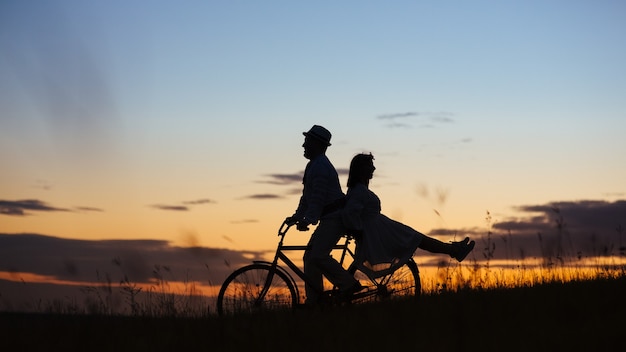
pixel 321 200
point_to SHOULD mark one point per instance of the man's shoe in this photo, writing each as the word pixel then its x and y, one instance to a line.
pixel 347 293
pixel 462 248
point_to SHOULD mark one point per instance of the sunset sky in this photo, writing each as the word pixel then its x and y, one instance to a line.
pixel 181 123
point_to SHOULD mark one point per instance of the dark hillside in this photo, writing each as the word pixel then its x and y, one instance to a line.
pixel 575 316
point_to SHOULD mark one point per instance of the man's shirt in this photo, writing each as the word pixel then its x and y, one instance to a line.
pixel 321 188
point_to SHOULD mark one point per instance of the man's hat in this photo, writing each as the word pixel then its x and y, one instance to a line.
pixel 319 133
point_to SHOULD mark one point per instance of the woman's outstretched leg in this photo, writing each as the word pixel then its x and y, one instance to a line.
pixel 457 250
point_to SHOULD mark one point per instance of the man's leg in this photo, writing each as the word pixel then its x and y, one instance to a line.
pixel 317 259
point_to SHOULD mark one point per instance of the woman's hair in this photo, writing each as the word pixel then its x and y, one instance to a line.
pixel 359 169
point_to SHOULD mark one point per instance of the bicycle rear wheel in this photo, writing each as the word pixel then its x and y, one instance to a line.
pixel 244 291
pixel 402 283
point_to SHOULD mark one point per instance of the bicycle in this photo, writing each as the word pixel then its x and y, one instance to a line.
pixel 265 285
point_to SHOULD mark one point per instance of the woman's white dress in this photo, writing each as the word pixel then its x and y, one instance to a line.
pixel 383 244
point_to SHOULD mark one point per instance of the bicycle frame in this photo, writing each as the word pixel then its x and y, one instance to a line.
pixel 280 255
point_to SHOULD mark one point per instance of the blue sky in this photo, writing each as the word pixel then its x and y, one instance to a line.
pixel 172 121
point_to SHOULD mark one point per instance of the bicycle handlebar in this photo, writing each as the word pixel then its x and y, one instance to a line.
pixel 282 226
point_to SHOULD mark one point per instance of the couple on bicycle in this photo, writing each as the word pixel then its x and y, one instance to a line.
pixel 382 243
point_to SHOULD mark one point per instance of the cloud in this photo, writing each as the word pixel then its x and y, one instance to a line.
pixel 37 269
pixel 425 119
pixel 199 201
pixel 293 179
pixel 294 191
pixel 244 221
pixel 444 118
pixel 170 207
pixel 615 194
pixel 587 215
pixel 184 206
pixel 398 125
pixel 88 209
pixel 432 119
pixel 284 179
pixel 82 260
pixel 580 229
pixel 397 115
pixel 42 184
pixel 264 196
pixel 343 171
pixel 26 207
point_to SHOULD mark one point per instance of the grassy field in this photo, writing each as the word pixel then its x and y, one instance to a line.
pixel 586 315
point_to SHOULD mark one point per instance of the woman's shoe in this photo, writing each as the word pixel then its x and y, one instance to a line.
pixel 462 248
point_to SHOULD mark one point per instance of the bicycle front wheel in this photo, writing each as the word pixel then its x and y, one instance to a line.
pixel 246 290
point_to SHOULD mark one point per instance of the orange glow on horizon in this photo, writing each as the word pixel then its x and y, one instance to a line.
pixel 175 287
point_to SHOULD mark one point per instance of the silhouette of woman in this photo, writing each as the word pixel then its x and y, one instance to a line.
pixel 383 244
